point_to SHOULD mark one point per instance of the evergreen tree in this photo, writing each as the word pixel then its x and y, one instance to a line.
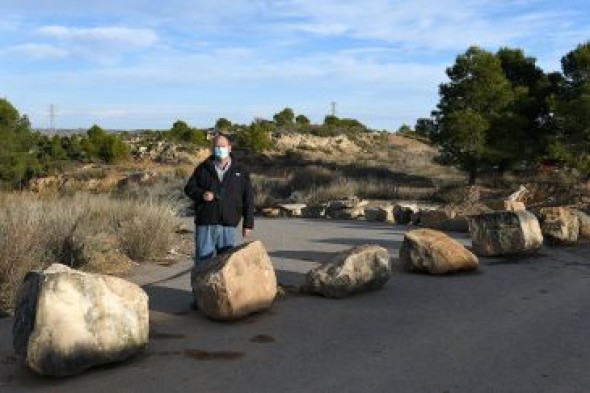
pixel 471 105
pixel 571 142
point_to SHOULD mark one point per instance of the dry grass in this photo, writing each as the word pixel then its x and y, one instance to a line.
pixel 269 190
pixel 89 232
pixel 380 167
pixel 313 184
pixel 20 249
pixel 148 228
pixel 365 188
pixel 164 187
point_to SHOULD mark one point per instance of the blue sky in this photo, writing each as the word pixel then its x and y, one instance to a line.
pixel 144 64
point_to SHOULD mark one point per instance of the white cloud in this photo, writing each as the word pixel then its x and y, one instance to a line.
pixel 35 51
pixel 442 25
pixel 369 68
pixel 255 56
pixel 103 45
pixel 110 35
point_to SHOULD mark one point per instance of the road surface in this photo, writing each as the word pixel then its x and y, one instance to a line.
pixel 514 326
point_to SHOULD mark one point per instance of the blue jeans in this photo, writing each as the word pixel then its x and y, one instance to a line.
pixel 213 239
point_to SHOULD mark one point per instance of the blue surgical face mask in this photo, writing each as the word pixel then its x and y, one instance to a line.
pixel 221 152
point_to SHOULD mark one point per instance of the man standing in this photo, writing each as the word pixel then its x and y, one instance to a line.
pixel 222 192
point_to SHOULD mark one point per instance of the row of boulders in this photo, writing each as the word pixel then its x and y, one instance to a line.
pixel 343 209
pixel 502 233
pixel 560 225
pixel 67 321
pixel 449 217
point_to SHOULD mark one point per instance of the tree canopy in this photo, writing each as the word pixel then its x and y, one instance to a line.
pixel 500 111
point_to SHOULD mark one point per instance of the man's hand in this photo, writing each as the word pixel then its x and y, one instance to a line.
pixel 208 196
pixel 246 232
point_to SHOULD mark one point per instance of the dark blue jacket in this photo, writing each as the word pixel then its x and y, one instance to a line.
pixel 234 198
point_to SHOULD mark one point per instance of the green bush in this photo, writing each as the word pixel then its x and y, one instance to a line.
pixel 109 148
pixel 181 132
pixel 255 138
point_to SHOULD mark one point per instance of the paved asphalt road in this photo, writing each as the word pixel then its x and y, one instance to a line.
pixel 515 326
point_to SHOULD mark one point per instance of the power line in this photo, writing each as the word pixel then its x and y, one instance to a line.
pixel 52 117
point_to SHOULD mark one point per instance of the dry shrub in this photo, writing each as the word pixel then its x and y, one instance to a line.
pixel 90 232
pixel 163 188
pixel 148 229
pixel 20 247
pixel 101 253
pixel 365 188
pixel 313 177
pixel 90 173
pixel 269 190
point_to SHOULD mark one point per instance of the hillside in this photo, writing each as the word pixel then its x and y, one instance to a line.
pixel 372 164
pixel 308 169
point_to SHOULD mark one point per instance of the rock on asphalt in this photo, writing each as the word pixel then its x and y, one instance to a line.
pixel 514 326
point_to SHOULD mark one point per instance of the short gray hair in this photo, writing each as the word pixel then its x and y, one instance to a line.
pixel 221 135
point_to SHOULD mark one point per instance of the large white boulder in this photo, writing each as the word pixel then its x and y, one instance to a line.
pixel 67 321
pixel 236 283
pixel 430 251
pixel 505 233
pixel 358 269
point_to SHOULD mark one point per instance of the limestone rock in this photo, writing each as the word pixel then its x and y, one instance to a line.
pixel 318 211
pixel 415 218
pixel 292 209
pixel 435 218
pixel 42 184
pixel 346 208
pixel 505 233
pixel 504 205
pixel 350 213
pixel 519 195
pixel 271 212
pixel 67 321
pixel 584 222
pixel 434 252
pixel 402 214
pixel 383 214
pixel 359 269
pixel 236 283
pixel 559 225
pixel 348 202
pixel 137 178
pixel 443 219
